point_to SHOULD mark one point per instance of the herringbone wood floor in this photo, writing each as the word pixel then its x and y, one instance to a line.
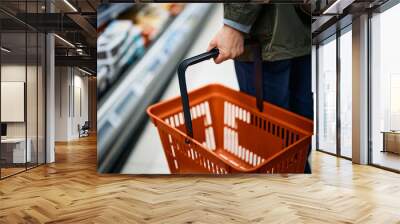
pixel 70 191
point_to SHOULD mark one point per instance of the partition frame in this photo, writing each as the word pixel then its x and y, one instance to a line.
pixel 381 9
pixel 44 94
pixel 387 5
pixel 337 35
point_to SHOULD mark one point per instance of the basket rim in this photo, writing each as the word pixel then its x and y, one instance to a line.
pixel 151 108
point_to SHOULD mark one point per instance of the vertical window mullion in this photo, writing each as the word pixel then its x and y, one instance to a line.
pixel 369 77
pixel 37 90
pixel 338 74
pixel 317 96
pixel 26 85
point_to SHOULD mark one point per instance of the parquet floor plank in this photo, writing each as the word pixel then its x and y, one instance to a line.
pixel 70 191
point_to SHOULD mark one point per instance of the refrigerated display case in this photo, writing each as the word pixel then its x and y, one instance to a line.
pixel 120 44
pixel 124 38
pixel 122 109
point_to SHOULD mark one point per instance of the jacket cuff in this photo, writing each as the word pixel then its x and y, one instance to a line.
pixel 237 26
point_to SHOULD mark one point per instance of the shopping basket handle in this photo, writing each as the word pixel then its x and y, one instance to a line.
pixel 182 84
pixel 256 48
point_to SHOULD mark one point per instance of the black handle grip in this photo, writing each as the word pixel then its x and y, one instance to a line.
pixel 208 55
pixel 182 84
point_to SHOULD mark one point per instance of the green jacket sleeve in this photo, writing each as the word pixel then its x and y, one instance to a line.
pixel 242 15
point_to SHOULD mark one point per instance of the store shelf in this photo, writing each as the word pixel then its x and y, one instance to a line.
pixel 121 112
pixel 103 96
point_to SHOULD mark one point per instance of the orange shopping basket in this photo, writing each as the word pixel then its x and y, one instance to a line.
pixel 225 133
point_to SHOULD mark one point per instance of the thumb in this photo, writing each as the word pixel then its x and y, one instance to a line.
pixel 212 44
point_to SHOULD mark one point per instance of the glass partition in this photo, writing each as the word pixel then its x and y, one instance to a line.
pixel 35 88
pixel 346 93
pixel 14 145
pixel 385 89
pixel 22 90
pixel 32 97
pixel 41 88
pixel 327 96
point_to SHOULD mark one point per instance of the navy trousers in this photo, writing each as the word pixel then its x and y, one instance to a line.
pixel 287 83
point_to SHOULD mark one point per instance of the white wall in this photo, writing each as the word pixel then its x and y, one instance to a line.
pixel 81 100
pixel 12 73
pixel 71 94
pixel 13 100
pixel 62 81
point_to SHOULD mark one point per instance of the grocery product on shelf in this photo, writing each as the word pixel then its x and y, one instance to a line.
pixel 120 44
pixel 151 19
pixel 124 38
pixel 102 82
pixel 174 8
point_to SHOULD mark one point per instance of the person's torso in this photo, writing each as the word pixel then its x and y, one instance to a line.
pixel 282 33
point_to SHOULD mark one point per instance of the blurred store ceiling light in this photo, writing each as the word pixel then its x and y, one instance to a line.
pixel 5 50
pixel 84 71
pixel 64 40
pixel 80 51
pixel 70 5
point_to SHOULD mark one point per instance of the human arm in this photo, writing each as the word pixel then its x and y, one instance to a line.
pixel 238 20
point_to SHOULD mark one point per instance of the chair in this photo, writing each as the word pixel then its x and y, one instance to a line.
pixel 84 130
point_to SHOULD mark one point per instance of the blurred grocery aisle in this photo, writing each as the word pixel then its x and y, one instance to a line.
pixel 141 46
pixel 147 157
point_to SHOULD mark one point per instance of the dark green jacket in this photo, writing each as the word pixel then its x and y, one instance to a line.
pixel 283 31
